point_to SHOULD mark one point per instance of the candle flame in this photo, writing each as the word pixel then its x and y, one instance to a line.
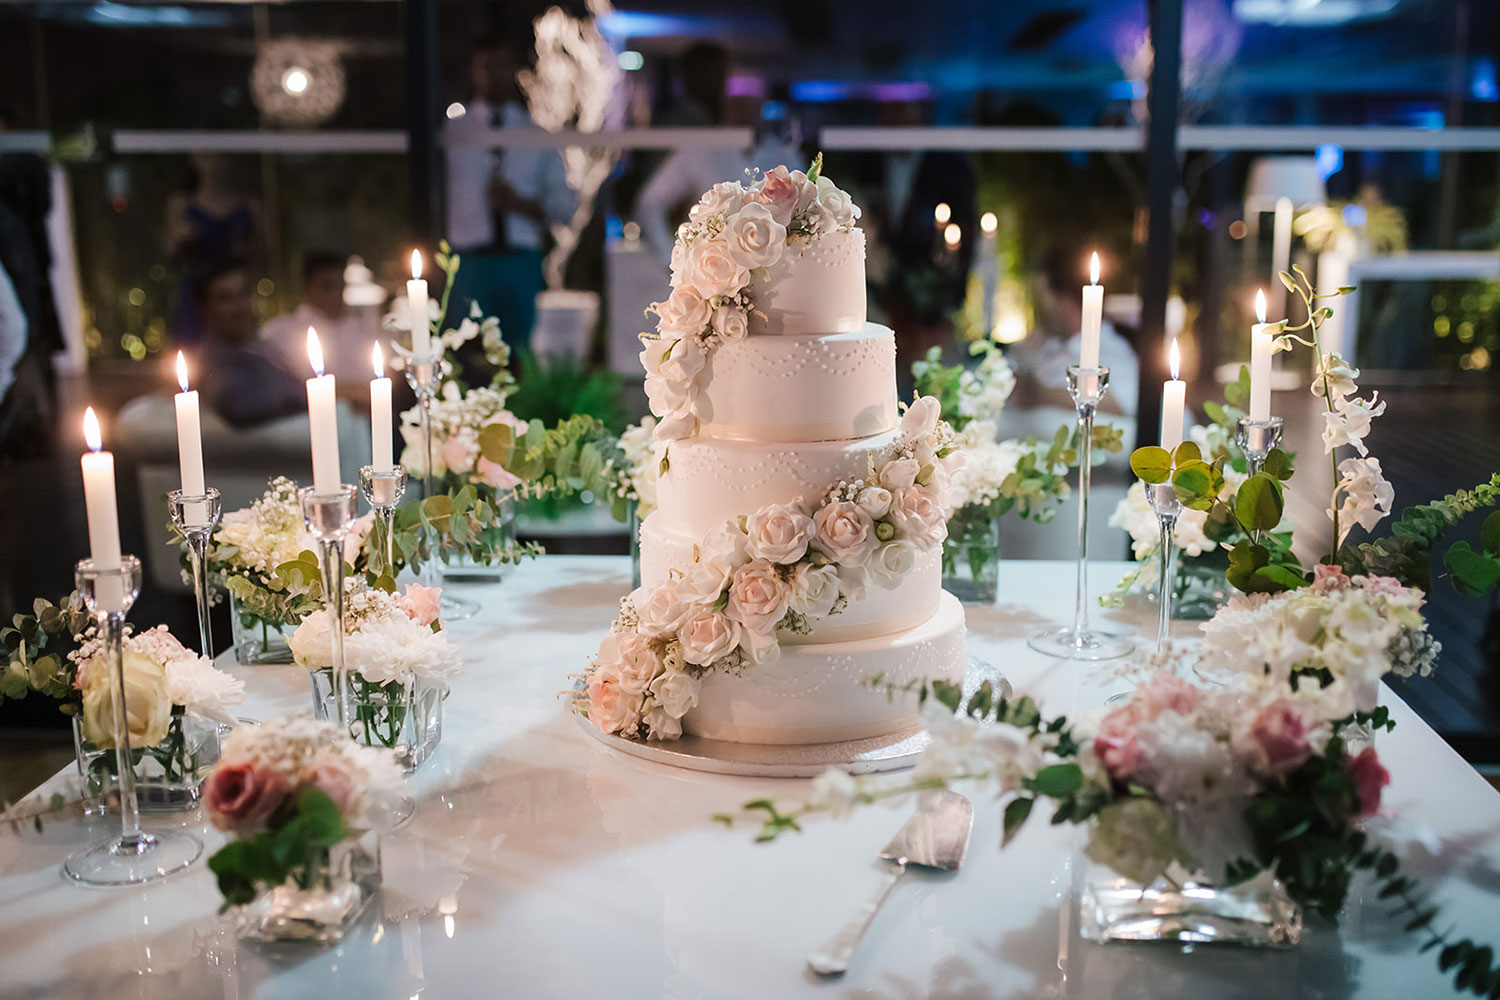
pixel 416 264
pixel 1094 268
pixel 379 361
pixel 182 378
pixel 952 234
pixel 1260 304
pixel 314 351
pixel 988 223
pixel 91 433
pixel 942 213
pixel 1174 359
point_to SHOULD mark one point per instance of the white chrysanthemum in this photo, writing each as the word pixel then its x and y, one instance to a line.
pixel 382 643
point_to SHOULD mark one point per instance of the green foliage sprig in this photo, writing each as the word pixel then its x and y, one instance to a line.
pixel 37 647
pixel 1407 553
pixel 294 846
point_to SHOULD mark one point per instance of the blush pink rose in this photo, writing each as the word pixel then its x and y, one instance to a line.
pixel 496 475
pixel 1326 577
pixel 611 708
pixel 455 455
pixel 917 515
pixel 1387 586
pixel 846 534
pixel 1166 692
pixel 779 191
pixel 1115 744
pixel 1370 776
pixel 330 773
pixel 241 795
pixel 421 603
pixel 1281 735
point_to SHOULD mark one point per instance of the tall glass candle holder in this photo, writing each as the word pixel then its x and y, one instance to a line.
pixel 329 517
pixel 383 490
pixel 195 517
pixel 1168 508
pixel 133 856
pixel 1088 387
pixel 424 373
pixel 1256 438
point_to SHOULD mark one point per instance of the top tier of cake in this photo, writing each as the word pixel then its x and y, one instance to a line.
pixel 817 287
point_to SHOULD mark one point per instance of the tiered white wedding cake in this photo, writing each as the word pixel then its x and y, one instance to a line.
pixel 791 573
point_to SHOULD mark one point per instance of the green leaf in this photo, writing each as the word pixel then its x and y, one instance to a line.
pixel 1016 812
pixel 1057 780
pixel 1489 534
pixel 1197 485
pixel 1258 504
pixel 1186 452
pixel 1151 464
pixel 1474 573
pixel 1278 465
pixel 1237 393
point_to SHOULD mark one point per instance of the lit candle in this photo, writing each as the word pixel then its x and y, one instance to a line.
pixel 1093 317
pixel 189 445
pixel 380 415
pixel 1260 362
pixel 103 517
pixel 987 261
pixel 416 301
pixel 952 235
pixel 323 421
pixel 941 214
pixel 1173 398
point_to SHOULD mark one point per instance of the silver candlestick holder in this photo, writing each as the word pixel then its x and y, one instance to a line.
pixel 133 856
pixel 329 518
pixel 383 490
pixel 1168 508
pixel 424 373
pixel 1256 438
pixel 195 516
pixel 1088 387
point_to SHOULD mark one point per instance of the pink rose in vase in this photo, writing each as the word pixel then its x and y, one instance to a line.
pixel 421 603
pixel 1280 737
pixel 242 794
pixel 329 772
pixel 1370 776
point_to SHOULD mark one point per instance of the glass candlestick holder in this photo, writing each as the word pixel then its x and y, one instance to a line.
pixel 1168 508
pixel 1256 438
pixel 132 856
pixel 424 373
pixel 196 516
pixel 1088 387
pixel 383 490
pixel 329 518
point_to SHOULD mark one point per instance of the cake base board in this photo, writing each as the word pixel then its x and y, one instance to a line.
pixel 891 752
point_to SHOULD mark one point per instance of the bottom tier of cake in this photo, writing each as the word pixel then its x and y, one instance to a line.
pixel 822 693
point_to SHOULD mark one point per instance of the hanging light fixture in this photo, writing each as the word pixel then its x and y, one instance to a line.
pixel 297 81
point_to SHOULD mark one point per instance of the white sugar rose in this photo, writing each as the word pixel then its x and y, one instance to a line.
pixel 611 708
pixel 837 203
pixel 679 263
pixel 726 545
pixel 815 590
pixel 918 517
pixel 683 360
pixel 891 563
pixel 921 417
pixel 758 596
pixel 676 692
pixel 754 236
pixel 731 323
pixel 708 636
pixel 638 664
pixel 779 533
pixel 660 725
pixel 702 585
pixel 874 500
pixel 846 534
pixel 724 198
pixel 898 473
pixel 712 271
pixel 684 312
pixel 661 609
pixel 852 582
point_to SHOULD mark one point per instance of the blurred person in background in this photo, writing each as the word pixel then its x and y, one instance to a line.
pixel 1041 359
pixel 345 336
pixel 501 201
pixel 209 221
pixel 243 377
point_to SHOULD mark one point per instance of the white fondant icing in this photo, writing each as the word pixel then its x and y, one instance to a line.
pixel 818 286
pixel 827 388
pixel 819 693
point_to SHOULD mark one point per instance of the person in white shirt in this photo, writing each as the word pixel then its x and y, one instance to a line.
pixel 13 332
pixel 1041 360
pixel 345 337
pixel 501 201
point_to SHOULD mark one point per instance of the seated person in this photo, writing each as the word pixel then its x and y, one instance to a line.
pixel 1041 360
pixel 345 338
pixel 241 376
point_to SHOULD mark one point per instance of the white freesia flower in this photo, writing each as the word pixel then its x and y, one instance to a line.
pixel 1340 375
pixel 1349 422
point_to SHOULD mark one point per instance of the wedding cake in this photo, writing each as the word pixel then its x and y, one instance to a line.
pixel 791 572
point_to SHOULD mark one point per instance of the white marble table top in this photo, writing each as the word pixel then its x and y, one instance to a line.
pixel 542 864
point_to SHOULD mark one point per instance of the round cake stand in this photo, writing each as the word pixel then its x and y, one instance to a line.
pixel 891 752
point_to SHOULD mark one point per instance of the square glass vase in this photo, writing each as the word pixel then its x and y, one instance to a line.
pixel 406 718
pixel 168 776
pixel 971 555
pixel 321 902
pixel 1184 908
pixel 256 641
pixel 461 567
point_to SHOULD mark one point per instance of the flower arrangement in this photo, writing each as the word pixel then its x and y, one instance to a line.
pixel 267 560
pixel 38 647
pixel 400 662
pixel 290 791
pixel 637 465
pixel 732 235
pixel 773 570
pixel 458 418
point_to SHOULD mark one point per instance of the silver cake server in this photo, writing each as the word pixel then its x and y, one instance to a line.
pixel 936 837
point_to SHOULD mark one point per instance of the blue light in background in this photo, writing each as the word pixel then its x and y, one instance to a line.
pixel 1329 160
pixel 1482 83
pixel 1354 215
pixel 639 24
pixel 1127 90
pixel 773 111
pixel 820 91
